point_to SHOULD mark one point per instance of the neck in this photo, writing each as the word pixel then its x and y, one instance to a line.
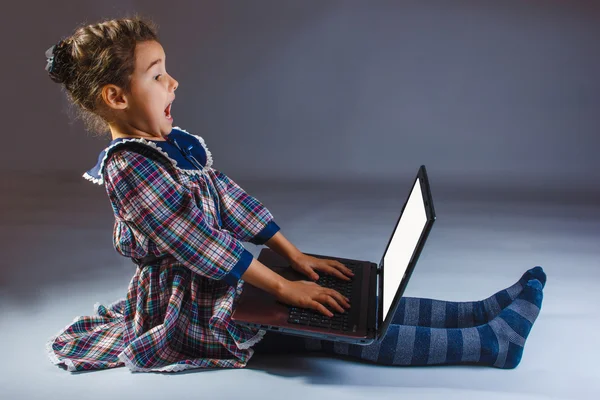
pixel 118 132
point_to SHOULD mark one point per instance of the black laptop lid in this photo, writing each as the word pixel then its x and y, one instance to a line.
pixel 404 247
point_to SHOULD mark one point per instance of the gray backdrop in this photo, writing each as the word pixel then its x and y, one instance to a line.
pixel 324 111
pixel 479 91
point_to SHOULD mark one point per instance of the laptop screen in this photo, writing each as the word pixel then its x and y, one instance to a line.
pixel 403 243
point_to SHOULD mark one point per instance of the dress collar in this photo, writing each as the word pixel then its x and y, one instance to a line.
pixel 191 145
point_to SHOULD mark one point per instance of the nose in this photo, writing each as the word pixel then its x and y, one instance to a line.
pixel 175 84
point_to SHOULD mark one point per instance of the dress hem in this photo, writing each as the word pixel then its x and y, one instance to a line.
pixel 70 366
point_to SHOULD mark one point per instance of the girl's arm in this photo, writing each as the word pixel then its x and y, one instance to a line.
pixel 283 247
pixel 148 199
pixel 303 294
pixel 242 214
pixel 264 278
pixel 249 220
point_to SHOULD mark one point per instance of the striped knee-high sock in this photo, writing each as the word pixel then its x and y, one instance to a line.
pixel 449 314
pixel 498 343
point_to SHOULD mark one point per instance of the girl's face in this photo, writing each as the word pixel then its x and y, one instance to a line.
pixel 145 112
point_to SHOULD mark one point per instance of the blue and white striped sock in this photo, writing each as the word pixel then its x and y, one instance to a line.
pixel 449 314
pixel 498 343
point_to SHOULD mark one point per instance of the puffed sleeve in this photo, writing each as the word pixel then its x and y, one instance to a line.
pixel 242 214
pixel 147 196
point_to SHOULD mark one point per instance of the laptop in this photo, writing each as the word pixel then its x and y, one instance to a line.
pixel 374 290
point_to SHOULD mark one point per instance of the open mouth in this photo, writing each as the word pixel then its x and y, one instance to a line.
pixel 168 112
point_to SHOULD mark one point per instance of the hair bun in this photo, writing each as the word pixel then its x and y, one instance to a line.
pixel 56 62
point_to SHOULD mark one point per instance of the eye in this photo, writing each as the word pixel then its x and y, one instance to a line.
pixel 157 76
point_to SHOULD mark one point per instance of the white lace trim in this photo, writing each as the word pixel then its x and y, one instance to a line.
pixel 128 363
pixel 181 367
pixel 52 355
pixel 169 368
pixel 111 305
pixel 68 362
pixel 209 160
pixel 92 179
pixel 252 341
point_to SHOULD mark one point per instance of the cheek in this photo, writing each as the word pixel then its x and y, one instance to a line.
pixel 155 102
pixel 146 100
pixel 150 107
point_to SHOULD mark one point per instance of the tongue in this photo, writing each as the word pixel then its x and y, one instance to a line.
pixel 168 110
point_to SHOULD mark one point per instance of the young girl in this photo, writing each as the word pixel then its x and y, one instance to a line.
pixel 182 222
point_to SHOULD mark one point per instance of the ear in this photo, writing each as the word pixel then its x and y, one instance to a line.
pixel 114 97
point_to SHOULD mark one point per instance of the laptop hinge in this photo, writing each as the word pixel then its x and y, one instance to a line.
pixel 373 304
pixel 378 320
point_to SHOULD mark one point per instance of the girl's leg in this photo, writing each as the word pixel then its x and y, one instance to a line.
pixel 449 314
pixel 498 343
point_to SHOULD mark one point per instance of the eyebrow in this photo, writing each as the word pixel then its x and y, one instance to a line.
pixel 153 63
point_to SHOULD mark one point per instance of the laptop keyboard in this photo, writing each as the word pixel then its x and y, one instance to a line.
pixel 339 321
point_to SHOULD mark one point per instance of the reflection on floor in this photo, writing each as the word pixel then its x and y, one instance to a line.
pixel 59 261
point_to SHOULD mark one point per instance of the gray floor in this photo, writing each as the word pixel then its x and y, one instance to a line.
pixel 59 261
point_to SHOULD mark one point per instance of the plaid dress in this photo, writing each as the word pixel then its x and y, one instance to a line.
pixel 182 223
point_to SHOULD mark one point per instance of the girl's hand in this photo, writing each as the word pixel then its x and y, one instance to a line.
pixel 307 265
pixel 307 294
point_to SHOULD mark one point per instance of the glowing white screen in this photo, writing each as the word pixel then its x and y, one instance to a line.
pixel 404 242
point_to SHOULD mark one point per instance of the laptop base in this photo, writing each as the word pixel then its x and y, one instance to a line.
pixel 269 314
